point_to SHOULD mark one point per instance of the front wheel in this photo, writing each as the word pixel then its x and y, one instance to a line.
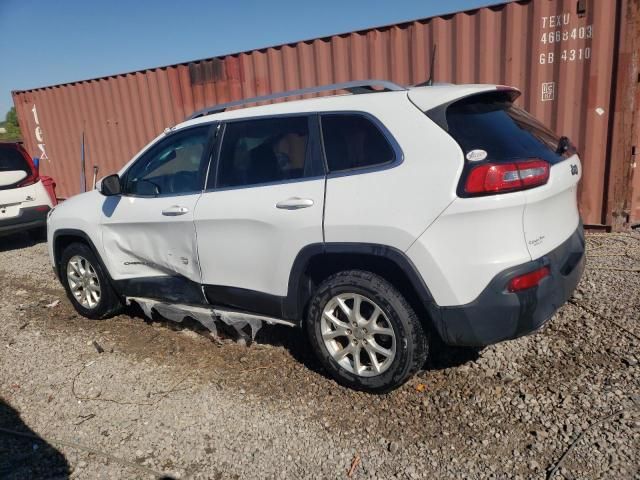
pixel 86 283
pixel 365 333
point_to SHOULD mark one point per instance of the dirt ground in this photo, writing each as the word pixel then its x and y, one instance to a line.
pixel 131 397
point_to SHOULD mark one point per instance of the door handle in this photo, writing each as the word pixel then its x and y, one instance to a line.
pixel 174 211
pixel 294 203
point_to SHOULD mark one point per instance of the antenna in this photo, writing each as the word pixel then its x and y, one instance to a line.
pixel 431 67
pixel 429 82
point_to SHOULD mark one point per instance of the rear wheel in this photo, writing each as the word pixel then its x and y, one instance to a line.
pixel 86 283
pixel 365 333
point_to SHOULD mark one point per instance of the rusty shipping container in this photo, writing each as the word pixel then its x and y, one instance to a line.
pixel 576 62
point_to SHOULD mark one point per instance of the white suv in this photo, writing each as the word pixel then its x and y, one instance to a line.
pixel 374 220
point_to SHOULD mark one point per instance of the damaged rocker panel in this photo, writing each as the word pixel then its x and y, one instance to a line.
pixel 207 316
pixel 169 288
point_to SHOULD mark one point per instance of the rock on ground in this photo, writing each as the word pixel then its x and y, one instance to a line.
pixel 155 401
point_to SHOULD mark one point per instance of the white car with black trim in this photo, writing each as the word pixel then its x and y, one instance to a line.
pixel 374 220
pixel 25 198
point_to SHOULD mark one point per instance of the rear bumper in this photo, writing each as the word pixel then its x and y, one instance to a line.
pixel 498 315
pixel 27 219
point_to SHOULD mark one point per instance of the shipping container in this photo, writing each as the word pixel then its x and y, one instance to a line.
pixel 576 62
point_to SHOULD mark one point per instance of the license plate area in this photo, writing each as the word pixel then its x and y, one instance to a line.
pixel 9 211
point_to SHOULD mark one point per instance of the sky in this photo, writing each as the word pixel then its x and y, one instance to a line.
pixel 46 42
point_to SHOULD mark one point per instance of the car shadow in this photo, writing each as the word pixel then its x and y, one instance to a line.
pixel 23 453
pixel 294 340
pixel 16 241
pixel 441 356
pixel 444 356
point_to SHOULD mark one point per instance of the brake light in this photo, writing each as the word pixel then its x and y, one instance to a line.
pixel 528 280
pixel 506 177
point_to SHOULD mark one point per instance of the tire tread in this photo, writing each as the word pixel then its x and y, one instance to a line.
pixel 418 350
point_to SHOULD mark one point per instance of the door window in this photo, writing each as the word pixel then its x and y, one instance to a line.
pixel 353 141
pixel 262 151
pixel 176 165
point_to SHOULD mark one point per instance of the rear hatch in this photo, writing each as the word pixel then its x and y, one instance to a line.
pixel 17 178
pixel 507 150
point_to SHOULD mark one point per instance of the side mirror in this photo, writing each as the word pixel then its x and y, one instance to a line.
pixel 110 186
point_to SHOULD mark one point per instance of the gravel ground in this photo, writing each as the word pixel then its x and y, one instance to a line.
pixel 165 399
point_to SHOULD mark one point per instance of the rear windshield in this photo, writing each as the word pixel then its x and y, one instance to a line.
pixel 12 159
pixel 490 127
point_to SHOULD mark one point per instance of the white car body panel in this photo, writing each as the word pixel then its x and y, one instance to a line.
pixel 551 214
pixel 426 98
pixel 12 176
pixel 245 241
pixel 471 242
pixel 14 199
pixel 144 242
pixel 393 206
pixel 82 213
pixel 22 197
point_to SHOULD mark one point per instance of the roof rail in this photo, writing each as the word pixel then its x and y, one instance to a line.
pixel 355 87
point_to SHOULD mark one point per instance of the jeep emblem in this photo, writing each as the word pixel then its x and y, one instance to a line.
pixel 574 169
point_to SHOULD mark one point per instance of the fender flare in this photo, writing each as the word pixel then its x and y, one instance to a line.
pixel 81 235
pixel 300 287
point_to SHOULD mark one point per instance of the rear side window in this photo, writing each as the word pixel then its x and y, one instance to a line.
pixel 11 159
pixel 490 127
pixel 266 150
pixel 353 141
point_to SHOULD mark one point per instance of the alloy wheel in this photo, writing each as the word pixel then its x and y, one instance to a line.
pixel 358 335
pixel 83 282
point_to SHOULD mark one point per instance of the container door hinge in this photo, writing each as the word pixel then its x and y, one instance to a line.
pixel 581 8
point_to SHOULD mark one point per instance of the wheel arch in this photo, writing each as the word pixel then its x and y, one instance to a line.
pixel 317 262
pixel 64 237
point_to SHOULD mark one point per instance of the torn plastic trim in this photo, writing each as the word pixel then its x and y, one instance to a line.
pixel 207 316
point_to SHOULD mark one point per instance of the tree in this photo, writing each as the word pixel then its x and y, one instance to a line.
pixel 12 126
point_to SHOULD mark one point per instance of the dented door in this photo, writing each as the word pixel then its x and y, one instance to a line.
pixel 149 230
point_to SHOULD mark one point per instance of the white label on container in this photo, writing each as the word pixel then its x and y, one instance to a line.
pixel 476 155
pixel 548 91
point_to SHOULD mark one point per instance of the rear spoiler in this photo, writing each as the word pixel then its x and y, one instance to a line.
pixel 439 114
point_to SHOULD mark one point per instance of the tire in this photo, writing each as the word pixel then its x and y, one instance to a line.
pixel 405 347
pixel 103 305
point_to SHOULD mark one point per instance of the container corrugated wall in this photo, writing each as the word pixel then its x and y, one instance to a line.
pixel 560 53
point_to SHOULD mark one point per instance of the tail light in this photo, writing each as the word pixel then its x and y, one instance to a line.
pixel 528 280
pixel 506 177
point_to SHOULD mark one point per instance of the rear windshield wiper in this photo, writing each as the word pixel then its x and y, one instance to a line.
pixel 564 145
